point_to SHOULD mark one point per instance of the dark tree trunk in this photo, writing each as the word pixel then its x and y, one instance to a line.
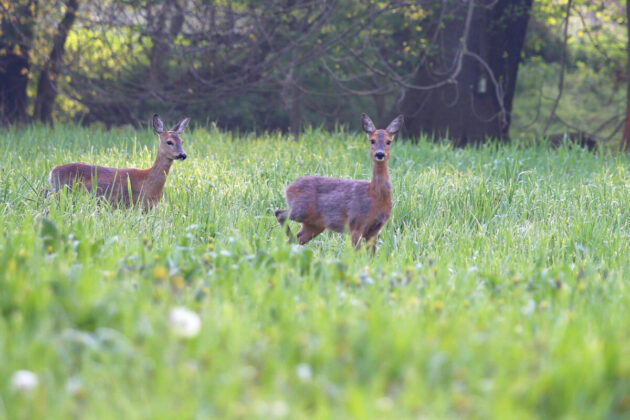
pixel 292 98
pixel 162 38
pixel 466 88
pixel 47 86
pixel 625 141
pixel 17 35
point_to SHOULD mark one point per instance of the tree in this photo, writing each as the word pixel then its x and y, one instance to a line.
pixel 467 86
pixel 16 27
pixel 625 141
pixel 27 29
pixel 47 86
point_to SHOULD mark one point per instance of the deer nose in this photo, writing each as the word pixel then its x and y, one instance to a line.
pixel 181 156
pixel 379 155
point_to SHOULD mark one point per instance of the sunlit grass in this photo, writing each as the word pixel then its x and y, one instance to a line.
pixel 499 288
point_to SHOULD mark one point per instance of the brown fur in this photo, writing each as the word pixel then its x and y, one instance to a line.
pixel 126 186
pixel 360 207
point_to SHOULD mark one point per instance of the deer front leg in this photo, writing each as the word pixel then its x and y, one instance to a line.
pixel 308 232
pixel 371 244
pixel 356 240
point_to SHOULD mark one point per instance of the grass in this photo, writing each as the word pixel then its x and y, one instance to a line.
pixel 499 288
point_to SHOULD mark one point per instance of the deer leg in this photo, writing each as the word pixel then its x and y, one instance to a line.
pixel 370 241
pixel 282 215
pixel 356 240
pixel 308 232
pixel 372 246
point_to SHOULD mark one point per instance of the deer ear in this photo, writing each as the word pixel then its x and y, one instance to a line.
pixel 395 125
pixel 368 125
pixel 180 126
pixel 158 125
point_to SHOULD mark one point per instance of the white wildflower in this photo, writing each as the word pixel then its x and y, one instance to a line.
pixel 184 323
pixel 304 372
pixel 24 381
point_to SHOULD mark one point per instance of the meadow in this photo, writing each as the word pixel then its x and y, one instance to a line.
pixel 499 287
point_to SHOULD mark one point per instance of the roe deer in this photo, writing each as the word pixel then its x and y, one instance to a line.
pixel 129 185
pixel 362 207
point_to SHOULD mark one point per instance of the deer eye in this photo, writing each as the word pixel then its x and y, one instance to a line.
pixel 170 143
pixel 389 142
pixel 372 141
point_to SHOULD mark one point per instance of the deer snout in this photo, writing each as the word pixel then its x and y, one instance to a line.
pixel 380 156
pixel 181 156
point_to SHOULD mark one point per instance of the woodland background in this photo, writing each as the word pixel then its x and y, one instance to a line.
pixel 466 70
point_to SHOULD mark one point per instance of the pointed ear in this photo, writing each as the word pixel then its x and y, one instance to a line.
pixel 180 126
pixel 395 125
pixel 368 125
pixel 158 125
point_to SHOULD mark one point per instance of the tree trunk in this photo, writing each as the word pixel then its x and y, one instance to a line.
pixel 47 86
pixel 292 98
pixel 162 39
pixel 17 34
pixel 466 88
pixel 625 141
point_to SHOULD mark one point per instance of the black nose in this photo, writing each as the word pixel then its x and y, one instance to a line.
pixel 379 155
pixel 181 156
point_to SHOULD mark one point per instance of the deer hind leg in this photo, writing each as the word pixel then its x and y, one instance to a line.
pixel 281 216
pixel 308 232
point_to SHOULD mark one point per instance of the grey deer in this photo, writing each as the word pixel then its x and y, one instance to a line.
pixel 358 206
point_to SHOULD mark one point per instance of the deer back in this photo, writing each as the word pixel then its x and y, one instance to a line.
pixel 112 183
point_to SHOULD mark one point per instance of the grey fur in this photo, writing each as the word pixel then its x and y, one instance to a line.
pixel 335 201
pixel 395 125
pixel 367 124
pixel 158 124
pixel 180 126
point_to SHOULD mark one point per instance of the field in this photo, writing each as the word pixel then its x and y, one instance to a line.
pixel 499 288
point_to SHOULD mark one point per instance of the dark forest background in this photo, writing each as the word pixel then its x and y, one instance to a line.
pixel 463 69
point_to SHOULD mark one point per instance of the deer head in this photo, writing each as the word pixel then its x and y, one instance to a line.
pixel 380 140
pixel 170 142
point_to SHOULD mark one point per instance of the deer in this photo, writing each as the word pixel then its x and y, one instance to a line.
pixel 357 206
pixel 126 186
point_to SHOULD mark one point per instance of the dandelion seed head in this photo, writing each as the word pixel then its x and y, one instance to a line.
pixel 184 323
pixel 24 381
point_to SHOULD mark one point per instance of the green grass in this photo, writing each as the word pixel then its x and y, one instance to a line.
pixel 499 288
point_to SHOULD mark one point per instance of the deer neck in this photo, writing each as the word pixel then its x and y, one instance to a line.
pixel 156 178
pixel 380 184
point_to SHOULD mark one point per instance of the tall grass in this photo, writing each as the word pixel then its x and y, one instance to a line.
pixel 499 288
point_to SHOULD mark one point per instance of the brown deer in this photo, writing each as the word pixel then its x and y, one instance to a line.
pixel 360 206
pixel 129 185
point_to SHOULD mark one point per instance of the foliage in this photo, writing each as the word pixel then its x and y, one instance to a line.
pixel 591 102
pixel 498 289
pixel 275 65
pixel 593 99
